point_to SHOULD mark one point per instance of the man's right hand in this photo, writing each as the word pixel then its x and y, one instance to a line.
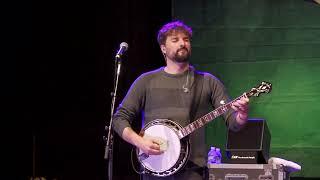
pixel 149 146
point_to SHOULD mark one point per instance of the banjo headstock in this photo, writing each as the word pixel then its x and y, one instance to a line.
pixel 263 87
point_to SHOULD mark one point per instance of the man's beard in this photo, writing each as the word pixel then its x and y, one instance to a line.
pixel 183 57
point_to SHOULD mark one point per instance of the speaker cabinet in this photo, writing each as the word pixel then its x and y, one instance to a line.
pixel 250 145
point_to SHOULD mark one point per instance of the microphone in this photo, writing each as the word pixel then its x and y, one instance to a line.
pixel 123 48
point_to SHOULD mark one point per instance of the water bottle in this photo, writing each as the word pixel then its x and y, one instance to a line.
pixel 219 156
pixel 214 156
pixel 211 155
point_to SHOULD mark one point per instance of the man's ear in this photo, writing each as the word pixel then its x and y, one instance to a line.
pixel 163 49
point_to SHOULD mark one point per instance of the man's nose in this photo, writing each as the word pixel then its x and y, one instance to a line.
pixel 182 44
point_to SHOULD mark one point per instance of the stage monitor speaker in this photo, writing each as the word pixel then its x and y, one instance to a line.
pixel 250 145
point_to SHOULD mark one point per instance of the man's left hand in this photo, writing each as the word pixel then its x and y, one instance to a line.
pixel 241 107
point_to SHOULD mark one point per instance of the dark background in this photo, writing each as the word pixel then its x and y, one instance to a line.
pixel 57 76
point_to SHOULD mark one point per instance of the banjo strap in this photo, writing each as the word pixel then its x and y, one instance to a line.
pixel 198 86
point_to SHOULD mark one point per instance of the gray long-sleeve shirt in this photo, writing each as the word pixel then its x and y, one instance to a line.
pixel 159 95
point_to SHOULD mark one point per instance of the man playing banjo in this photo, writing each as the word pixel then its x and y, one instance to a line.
pixel 172 97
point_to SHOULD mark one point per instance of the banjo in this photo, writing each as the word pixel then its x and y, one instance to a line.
pixel 171 138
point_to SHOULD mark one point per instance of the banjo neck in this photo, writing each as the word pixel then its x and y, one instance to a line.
pixel 206 118
pixel 263 87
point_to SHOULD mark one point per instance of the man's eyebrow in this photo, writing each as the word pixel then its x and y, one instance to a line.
pixel 173 36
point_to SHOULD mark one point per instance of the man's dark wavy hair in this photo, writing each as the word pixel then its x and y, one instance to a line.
pixel 173 27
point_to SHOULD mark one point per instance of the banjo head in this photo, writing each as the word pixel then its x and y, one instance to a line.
pixel 171 160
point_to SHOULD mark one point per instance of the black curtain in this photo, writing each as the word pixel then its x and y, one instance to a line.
pixel 57 76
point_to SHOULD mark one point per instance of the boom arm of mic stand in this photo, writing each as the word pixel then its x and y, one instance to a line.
pixel 108 155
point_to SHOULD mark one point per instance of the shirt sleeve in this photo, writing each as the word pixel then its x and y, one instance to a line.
pixel 130 107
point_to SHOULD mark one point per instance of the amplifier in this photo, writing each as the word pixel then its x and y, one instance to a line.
pixel 250 145
pixel 247 172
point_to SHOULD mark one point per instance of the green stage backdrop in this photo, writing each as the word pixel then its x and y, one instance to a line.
pixel 245 42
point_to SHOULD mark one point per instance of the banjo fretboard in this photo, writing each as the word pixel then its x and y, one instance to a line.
pixel 206 118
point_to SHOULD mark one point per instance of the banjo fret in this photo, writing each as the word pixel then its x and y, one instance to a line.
pixel 215 113
pixel 183 132
pixel 200 123
pixel 206 118
pixel 192 127
pixel 188 129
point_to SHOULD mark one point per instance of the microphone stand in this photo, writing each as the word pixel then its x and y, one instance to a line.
pixel 109 140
